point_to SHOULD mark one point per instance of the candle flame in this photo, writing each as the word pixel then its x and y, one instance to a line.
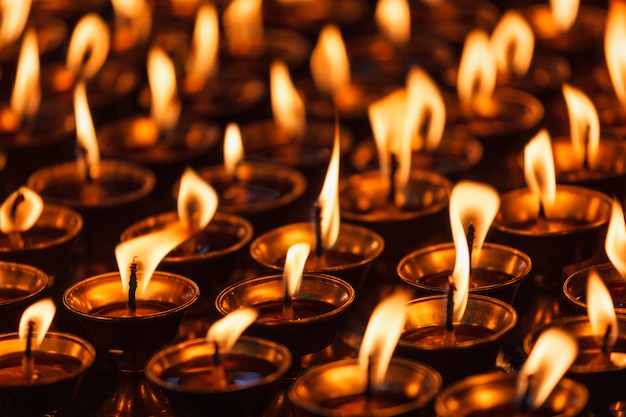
pixel 425 105
pixel 513 44
pixel 40 314
pixel 229 328
pixel 584 125
pixel 202 61
pixel 233 149
pixel 614 51
pixel 600 309
pixel 287 105
pixel 165 109
pixel 477 73
pixel 329 197
pixel 295 260
pixel 329 62
pixel 394 20
pixel 386 116
pixel 14 16
pixel 243 25
pixel 539 169
pixel 133 23
pixel 89 154
pixel 564 13
pixel 20 211
pixel 197 201
pixel 26 94
pixel 381 335
pixel 615 241
pixel 89 46
pixel 554 352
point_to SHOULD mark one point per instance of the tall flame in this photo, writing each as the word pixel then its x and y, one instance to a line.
pixel 329 62
pixel 394 20
pixel 554 352
pixel 197 201
pixel 381 335
pixel 584 125
pixel 564 13
pixel 26 94
pixel 513 44
pixel 476 78
pixel 233 149
pixel 600 310
pixel 229 328
pixel 614 52
pixel 294 266
pixel 89 46
pixel 425 105
pixel 40 314
pixel 133 23
pixel 287 105
pixel 386 115
pixel 14 15
pixel 329 198
pixel 20 211
pixel 243 25
pixel 616 239
pixel 202 61
pixel 165 109
pixel 89 155
pixel 539 169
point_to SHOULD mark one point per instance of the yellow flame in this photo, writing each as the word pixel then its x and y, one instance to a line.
pixel 89 155
pixel 513 44
pixel 539 169
pixel 89 46
pixel 476 78
pixel 564 13
pixel 14 15
pixel 243 25
pixel 41 315
pixel 294 266
pixel 600 309
pixel 329 197
pixel 394 20
pixel 26 213
pixel 227 330
pixel 233 149
pixel 614 51
pixel 554 352
pixel 386 115
pixel 197 201
pixel 425 104
pixel 287 105
pixel 133 23
pixel 584 125
pixel 615 241
pixel 381 335
pixel 165 109
pixel 329 63
pixel 26 94
pixel 202 61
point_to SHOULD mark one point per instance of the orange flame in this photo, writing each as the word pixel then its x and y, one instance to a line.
pixel 329 199
pixel 165 109
pixel 616 239
pixel 89 46
pixel 614 41
pixel 584 125
pixel 287 105
pixel 243 25
pixel 539 169
pixel 564 13
pixel 133 23
pixel 197 201
pixel 476 78
pixel 41 315
pixel 329 62
pixel 14 17
pixel 233 149
pixel 229 328
pixel 202 61
pixel 20 217
pixel 394 20
pixel 89 157
pixel 513 44
pixel 294 266
pixel 600 309
pixel 26 94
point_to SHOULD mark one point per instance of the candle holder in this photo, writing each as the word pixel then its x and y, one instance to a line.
pixel 20 285
pixel 349 259
pixel 336 389
pixel 101 307
pixel 60 360
pixel 494 394
pixel 253 370
pixel 575 287
pixel 497 273
pixel 485 325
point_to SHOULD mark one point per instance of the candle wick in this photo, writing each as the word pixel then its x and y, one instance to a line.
pixel 524 402
pixel 220 376
pixel 287 312
pixel 605 350
pixel 132 287
pixel 586 153
pixel 448 336
pixel 28 361
pixel 82 154
pixel 317 219
pixel 391 197
pixel 471 236
pixel 542 212
pixel 369 389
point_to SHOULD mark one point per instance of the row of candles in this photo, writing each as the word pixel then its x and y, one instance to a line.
pixel 327 271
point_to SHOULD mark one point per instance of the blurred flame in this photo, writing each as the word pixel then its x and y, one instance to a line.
pixel 615 241
pixel 564 13
pixel 202 61
pixel 294 266
pixel 554 352
pixel 394 20
pixel 386 116
pixel 89 46
pixel 513 44
pixel 41 315
pixel 165 109
pixel 25 214
pixel 328 199
pixel 600 309
pixel 26 94
pixel 233 149
pixel 287 105
pixel 584 125
pixel 329 63
pixel 243 25
pixel 14 15
pixel 381 335
pixel 227 330
pixel 197 201
pixel 614 51
pixel 425 104
pixel 476 79
pixel 539 169
pixel 133 23
pixel 89 155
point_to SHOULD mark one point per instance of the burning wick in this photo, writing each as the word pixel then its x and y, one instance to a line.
pixel 448 334
pixel 524 402
pixel 287 312
pixel 132 287
pixel 369 388
pixel 28 361
pixel 219 375
pixel 391 198
pixel 91 192
pixel 317 218
pixel 605 350
pixel 15 239
pixel 471 236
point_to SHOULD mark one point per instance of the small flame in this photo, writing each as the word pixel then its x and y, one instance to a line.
pixel 539 169
pixel 197 201
pixel 394 20
pixel 243 25
pixel 233 149
pixel 26 94
pixel 17 215
pixel 584 125
pixel 133 23
pixel 381 335
pixel 553 354
pixel 14 17
pixel 329 198
pixel 425 104
pixel 616 239
pixel 89 46
pixel 162 79
pixel 600 309
pixel 202 61
pixel 295 260
pixel 614 51
pixel 227 330
pixel 564 13
pixel 41 315
pixel 513 44
pixel 477 74
pixel 329 62
pixel 89 155
pixel 287 105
